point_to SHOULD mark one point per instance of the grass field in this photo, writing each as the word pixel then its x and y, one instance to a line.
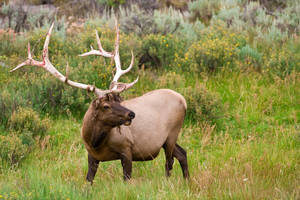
pixel 236 62
pixel 254 155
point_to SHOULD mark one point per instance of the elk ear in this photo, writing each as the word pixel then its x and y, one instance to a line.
pixel 97 103
pixel 110 97
pixel 117 97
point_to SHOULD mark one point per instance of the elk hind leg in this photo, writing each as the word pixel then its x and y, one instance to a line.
pixel 169 158
pixel 180 154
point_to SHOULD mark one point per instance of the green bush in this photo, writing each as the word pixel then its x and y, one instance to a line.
pixel 203 106
pixel 228 15
pixel 37 40
pixel 251 57
pixel 48 95
pixel 282 61
pixel 216 49
pixel 172 80
pixel 12 151
pixel 9 102
pixel 111 3
pixel 21 18
pixel 26 122
pixel 11 46
pixel 160 51
pixel 138 21
pixel 43 93
pixel 203 10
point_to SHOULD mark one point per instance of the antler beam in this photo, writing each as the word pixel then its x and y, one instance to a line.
pixel 47 65
pixel 115 85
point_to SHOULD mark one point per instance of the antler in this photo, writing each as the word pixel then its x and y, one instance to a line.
pixel 115 85
pixel 100 52
pixel 47 65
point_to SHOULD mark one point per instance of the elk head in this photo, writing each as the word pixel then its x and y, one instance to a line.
pixel 108 101
pixel 110 111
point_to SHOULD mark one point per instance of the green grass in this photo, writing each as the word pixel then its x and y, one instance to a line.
pixel 241 81
pixel 256 154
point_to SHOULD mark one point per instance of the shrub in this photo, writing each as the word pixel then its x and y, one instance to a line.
pixel 253 17
pixel 160 51
pixel 176 4
pixel 12 151
pixel 27 122
pixel 111 3
pixel 203 10
pixel 250 58
pixel 216 49
pixel 10 46
pixel 172 80
pixel 282 61
pixel 251 11
pixel 164 22
pixel 228 15
pixel 37 39
pixel 168 22
pixel 9 102
pixel 272 34
pixel 291 18
pixel 274 4
pixel 48 95
pixel 22 17
pixel 138 21
pixel 203 106
pixel 43 92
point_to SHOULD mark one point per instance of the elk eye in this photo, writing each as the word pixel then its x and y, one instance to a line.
pixel 106 107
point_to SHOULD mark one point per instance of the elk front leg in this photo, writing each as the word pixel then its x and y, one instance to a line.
pixel 126 160
pixel 93 166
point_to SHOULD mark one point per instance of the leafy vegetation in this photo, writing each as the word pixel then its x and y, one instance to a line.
pixel 236 62
pixel 12 150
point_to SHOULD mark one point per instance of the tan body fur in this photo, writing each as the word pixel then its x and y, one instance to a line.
pixel 159 118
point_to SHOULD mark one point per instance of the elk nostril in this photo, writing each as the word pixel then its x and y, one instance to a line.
pixel 131 115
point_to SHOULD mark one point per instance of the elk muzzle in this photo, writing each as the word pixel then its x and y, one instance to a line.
pixel 121 114
pixel 130 117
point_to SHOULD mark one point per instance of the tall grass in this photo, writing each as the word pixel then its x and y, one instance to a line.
pixel 239 74
pixel 255 157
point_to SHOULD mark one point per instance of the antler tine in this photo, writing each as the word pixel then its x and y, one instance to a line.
pixel 119 71
pixel 45 49
pixel 99 42
pixel 115 86
pixel 100 52
pixel 25 62
pixel 116 53
pixel 29 61
pixel 67 71
pixel 29 52
pixel 118 87
pixel 131 64
pixel 47 65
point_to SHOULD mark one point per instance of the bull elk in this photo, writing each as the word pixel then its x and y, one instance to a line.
pixel 109 131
